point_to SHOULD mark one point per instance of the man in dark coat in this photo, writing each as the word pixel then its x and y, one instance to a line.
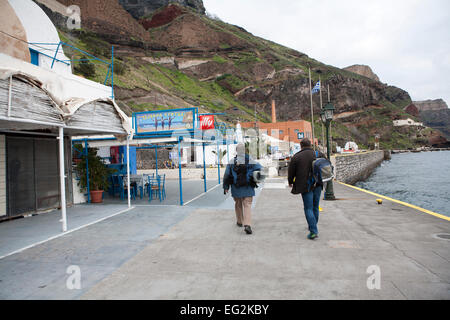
pixel 299 172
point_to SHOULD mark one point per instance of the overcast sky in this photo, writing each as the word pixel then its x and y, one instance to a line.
pixel 405 42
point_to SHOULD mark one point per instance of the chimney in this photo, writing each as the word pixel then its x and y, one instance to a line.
pixel 274 112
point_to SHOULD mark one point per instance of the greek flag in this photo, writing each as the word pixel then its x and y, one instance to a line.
pixel 316 87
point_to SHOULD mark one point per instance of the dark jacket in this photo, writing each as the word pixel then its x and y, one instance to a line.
pixel 230 178
pixel 300 168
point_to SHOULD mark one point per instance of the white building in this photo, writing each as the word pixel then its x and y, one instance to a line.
pixel 407 122
pixel 42 37
pixel 41 108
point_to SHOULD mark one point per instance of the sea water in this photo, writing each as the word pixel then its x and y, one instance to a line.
pixel 421 179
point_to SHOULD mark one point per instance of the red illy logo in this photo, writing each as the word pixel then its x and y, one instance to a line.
pixel 206 122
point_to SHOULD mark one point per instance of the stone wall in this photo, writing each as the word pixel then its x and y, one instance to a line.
pixel 354 167
pixel 146 159
pixel 188 173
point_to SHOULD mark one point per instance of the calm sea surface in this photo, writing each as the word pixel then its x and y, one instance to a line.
pixel 422 179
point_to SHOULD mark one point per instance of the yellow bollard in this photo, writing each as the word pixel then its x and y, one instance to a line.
pixel 320 209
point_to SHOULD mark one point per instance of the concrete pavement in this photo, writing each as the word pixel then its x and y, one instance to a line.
pixel 198 252
pixel 206 256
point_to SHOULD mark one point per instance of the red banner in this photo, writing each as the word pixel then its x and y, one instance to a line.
pixel 206 122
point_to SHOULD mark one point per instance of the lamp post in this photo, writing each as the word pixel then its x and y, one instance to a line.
pixel 327 116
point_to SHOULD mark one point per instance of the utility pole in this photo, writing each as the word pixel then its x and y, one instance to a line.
pixel 312 112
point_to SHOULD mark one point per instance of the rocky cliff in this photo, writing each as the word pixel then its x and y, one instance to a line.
pixel 435 114
pixel 363 70
pixel 178 57
pixel 142 8
pixel 109 19
pixel 428 105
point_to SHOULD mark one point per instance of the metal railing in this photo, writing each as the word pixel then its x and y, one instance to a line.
pixel 109 74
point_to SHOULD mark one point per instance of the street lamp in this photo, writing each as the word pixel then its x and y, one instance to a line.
pixel 327 116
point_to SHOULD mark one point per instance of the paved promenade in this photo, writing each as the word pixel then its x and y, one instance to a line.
pixel 198 252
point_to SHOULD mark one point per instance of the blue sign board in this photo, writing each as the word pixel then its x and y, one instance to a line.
pixel 155 122
pixel 300 135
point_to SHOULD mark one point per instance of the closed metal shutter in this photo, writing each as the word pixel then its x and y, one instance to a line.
pixel 33 174
pixel 20 180
pixel 47 173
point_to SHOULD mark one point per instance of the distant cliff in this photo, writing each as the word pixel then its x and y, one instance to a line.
pixel 427 105
pixel 141 8
pixel 179 57
pixel 363 70
pixel 435 114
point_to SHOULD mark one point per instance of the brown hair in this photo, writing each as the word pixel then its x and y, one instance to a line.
pixel 305 143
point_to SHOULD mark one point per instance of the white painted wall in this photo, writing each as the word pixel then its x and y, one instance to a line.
pixel 104 152
pixel 40 29
pixel 2 176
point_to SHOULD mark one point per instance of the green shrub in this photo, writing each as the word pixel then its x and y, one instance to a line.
pixel 85 68
pixel 120 67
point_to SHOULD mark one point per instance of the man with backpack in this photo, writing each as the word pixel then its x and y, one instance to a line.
pixel 302 180
pixel 239 175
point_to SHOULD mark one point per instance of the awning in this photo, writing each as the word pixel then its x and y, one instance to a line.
pixel 32 98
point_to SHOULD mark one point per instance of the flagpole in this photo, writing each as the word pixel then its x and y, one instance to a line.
pixel 312 112
pixel 321 107
pixel 331 141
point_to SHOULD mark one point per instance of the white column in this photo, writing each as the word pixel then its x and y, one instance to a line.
pixel 128 170
pixel 62 179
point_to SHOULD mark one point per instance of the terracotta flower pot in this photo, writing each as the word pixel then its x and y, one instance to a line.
pixel 96 196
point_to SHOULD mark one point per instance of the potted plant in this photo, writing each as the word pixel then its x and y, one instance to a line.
pixel 221 155
pixel 98 175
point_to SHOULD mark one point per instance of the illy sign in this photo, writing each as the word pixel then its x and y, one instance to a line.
pixel 206 122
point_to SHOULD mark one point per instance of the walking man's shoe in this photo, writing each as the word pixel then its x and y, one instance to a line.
pixel 248 229
pixel 239 224
pixel 312 236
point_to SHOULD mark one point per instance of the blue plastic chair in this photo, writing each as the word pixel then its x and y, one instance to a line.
pixel 163 186
pixel 111 186
pixel 146 186
pixel 154 186
pixel 115 185
pixel 124 189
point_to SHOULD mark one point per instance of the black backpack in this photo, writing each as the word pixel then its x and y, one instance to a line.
pixel 242 173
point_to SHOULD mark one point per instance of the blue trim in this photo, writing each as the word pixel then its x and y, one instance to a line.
pixel 92 139
pixel 56 53
pixel 107 75
pixel 34 55
pixel 204 167
pixel 156 155
pixel 111 65
pixel 218 161
pixel 179 171
pixel 82 51
pixel 51 57
pixel 86 150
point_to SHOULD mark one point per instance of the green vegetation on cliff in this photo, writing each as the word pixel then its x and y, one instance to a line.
pixel 239 62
